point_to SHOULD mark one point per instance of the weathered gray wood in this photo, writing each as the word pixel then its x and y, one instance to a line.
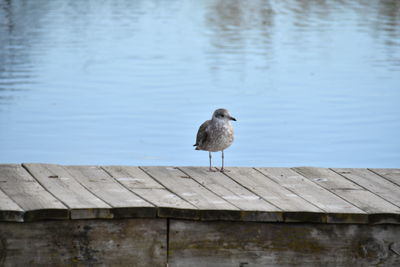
pixel 392 175
pixel 338 210
pixel 28 194
pixel 139 182
pixel 132 177
pixel 197 243
pixel 243 194
pixel 124 242
pixel 9 210
pixel 211 206
pixel 82 203
pixel 379 210
pixel 125 203
pixel 372 182
pixel 235 199
pixel 293 206
pixel 253 207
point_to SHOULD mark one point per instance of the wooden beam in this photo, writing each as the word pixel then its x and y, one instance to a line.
pixel 392 175
pixel 372 182
pixel 58 181
pixel 218 243
pixel 28 194
pixel 378 209
pixel 210 205
pixel 123 242
pixel 169 204
pixel 337 209
pixel 9 210
pixel 293 206
pixel 253 207
pixel 125 204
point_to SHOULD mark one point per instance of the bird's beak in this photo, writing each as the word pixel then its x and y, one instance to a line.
pixel 232 118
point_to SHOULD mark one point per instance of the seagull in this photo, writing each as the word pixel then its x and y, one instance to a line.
pixel 216 134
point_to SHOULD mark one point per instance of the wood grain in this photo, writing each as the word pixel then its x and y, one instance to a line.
pixel 253 206
pixel 125 204
pixel 139 182
pixel 187 216
pixel 58 181
pixel 28 194
pixel 337 209
pixel 294 207
pixel 50 191
pixel 124 242
pixel 222 244
pixel 9 210
pixel 378 209
pixel 392 175
pixel 372 182
pixel 210 205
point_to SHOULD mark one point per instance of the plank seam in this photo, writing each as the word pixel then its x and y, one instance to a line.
pixel 21 213
pixel 77 180
pixel 331 192
pixel 224 173
pixel 45 189
pixel 321 209
pixel 26 168
pixel 112 208
pixel 166 188
pixel 128 188
pixel 168 239
pixel 22 210
pixel 364 188
pixel 211 190
pixel 383 177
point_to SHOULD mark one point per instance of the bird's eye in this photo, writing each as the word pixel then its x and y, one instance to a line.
pixel 222 115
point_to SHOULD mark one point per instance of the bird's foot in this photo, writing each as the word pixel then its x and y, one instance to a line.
pixel 211 170
pixel 221 170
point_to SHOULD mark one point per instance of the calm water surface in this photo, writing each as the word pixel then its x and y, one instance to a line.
pixel 311 82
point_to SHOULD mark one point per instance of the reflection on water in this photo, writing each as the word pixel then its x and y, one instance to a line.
pixel 311 82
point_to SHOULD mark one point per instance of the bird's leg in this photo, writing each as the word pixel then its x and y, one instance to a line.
pixel 222 167
pixel 209 155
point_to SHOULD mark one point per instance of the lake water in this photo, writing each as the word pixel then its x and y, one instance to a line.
pixel 311 82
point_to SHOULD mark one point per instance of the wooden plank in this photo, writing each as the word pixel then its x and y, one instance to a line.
pixel 28 194
pixel 253 207
pixel 338 210
pixel 379 210
pixel 139 182
pixel 392 175
pixel 9 210
pixel 125 204
pixel 223 244
pixel 132 177
pixel 372 182
pixel 123 242
pixel 58 181
pixel 211 206
pixel 295 208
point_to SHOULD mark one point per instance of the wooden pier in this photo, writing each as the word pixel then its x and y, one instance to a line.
pixel 55 215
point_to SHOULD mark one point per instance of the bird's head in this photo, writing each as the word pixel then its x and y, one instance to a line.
pixel 222 114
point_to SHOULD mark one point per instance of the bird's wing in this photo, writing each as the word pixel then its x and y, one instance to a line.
pixel 202 134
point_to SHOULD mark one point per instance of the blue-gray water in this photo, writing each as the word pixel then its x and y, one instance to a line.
pixel 311 82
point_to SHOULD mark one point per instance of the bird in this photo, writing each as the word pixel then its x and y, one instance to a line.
pixel 216 134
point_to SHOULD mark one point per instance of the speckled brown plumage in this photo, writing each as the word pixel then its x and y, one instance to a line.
pixel 216 134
